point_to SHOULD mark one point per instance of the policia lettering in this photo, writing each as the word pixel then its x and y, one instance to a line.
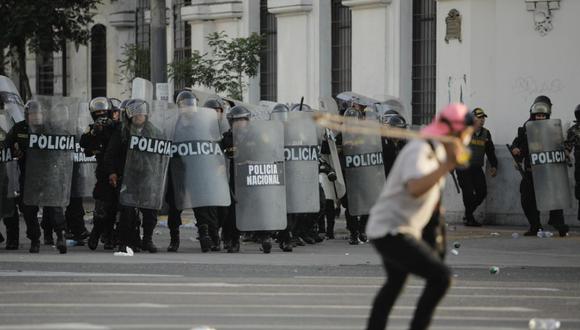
pixel 268 174
pixel 154 146
pixel 194 148
pixel 51 142
pixel 5 156
pixel 548 157
pixel 370 159
pixel 304 153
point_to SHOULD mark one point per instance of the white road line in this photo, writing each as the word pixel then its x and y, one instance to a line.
pixel 55 326
pixel 260 306
pixel 315 294
pixel 284 285
pixel 26 273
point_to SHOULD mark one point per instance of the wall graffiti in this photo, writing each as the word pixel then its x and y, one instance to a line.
pixel 528 85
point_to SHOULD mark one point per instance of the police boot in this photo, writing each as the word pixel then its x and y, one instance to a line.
pixel 563 230
pixel 533 231
pixel 93 241
pixel 267 245
pixel 12 238
pixel 1 238
pixel 34 246
pixel 174 243
pixel 12 244
pixel 48 240
pixel 60 241
pixel 147 242
pixel 286 246
pixel 330 230
pixel 234 245
pixel 215 241
pixel 204 239
pixel 353 238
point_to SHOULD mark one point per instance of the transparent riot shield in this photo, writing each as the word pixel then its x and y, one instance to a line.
pixel 364 173
pixel 149 150
pixel 549 165
pixel 49 158
pixel 259 176
pixel 198 166
pixel 84 177
pixel 301 157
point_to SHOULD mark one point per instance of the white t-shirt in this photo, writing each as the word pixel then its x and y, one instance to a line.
pixel 396 210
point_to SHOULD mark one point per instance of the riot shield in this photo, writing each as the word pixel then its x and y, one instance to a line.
pixel 84 177
pixel 149 150
pixel 301 156
pixel 259 176
pixel 49 158
pixel 364 172
pixel 548 159
pixel 142 89
pixel 9 95
pixel 198 166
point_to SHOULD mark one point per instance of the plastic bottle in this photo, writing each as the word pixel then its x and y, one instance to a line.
pixel 544 324
pixel 71 242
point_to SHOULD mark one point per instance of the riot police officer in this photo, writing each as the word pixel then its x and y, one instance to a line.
pixel 541 109
pixel 573 143
pixel 95 142
pixel 392 146
pixel 18 140
pixel 472 179
pixel 137 113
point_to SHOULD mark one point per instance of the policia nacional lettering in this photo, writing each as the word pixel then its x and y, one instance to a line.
pixel 268 174
pixel 301 153
pixel 80 157
pixel 370 159
pixel 196 148
pixel 149 145
pixel 548 157
pixel 51 142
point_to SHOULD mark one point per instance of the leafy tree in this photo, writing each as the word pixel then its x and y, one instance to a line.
pixel 231 61
pixel 42 26
pixel 134 63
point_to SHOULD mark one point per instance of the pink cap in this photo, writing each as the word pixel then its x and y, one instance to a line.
pixel 451 119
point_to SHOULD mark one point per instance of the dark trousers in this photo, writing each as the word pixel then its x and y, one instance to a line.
pixel 473 187
pixel 229 230
pixel 54 217
pixel 403 255
pixel 12 223
pixel 75 216
pixel 207 216
pixel 577 179
pixel 530 208
pixel 354 224
pixel 129 225
pixel 328 213
pixel 104 216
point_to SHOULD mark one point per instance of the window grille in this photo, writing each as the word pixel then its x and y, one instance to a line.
pixel 268 60
pixel 341 48
pixel 98 61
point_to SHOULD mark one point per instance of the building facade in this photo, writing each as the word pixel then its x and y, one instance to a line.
pixel 494 54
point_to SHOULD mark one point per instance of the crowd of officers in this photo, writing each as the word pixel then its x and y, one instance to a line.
pixel 119 227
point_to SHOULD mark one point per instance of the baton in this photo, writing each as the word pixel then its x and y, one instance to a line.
pixel 516 163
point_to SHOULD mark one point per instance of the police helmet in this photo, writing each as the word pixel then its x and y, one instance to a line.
pixel 394 121
pixel 238 112
pixel 353 113
pixel 186 98
pixel 577 113
pixel 32 106
pixel 298 107
pixel 100 103
pixel 214 104
pixel 136 107
pixel 280 111
pixel 542 105
pixel 115 103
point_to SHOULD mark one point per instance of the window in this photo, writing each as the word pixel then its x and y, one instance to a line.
pixel 98 61
pixel 45 73
pixel 181 37
pixel 341 48
pixel 424 61
pixel 268 61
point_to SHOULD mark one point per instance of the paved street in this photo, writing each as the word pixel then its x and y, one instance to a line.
pixel 327 286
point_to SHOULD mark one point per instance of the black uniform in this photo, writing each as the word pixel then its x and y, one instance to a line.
pixel 114 160
pixel 230 232
pixel 472 179
pixel 528 198
pixel 19 134
pixel 95 143
pixel 391 149
pixel 573 143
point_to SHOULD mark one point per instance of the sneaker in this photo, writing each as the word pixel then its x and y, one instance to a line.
pixel 363 237
pixel 353 239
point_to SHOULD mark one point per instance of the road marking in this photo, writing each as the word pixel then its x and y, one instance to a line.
pixel 55 326
pixel 16 273
pixel 275 285
pixel 260 306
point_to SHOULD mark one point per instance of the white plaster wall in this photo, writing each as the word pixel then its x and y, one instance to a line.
pixel 506 64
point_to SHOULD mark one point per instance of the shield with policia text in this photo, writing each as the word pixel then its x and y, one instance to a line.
pixel 549 164
pixel 149 150
pixel 363 167
pixel 83 178
pixel 198 166
pixel 259 176
pixel 301 163
pixel 49 158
